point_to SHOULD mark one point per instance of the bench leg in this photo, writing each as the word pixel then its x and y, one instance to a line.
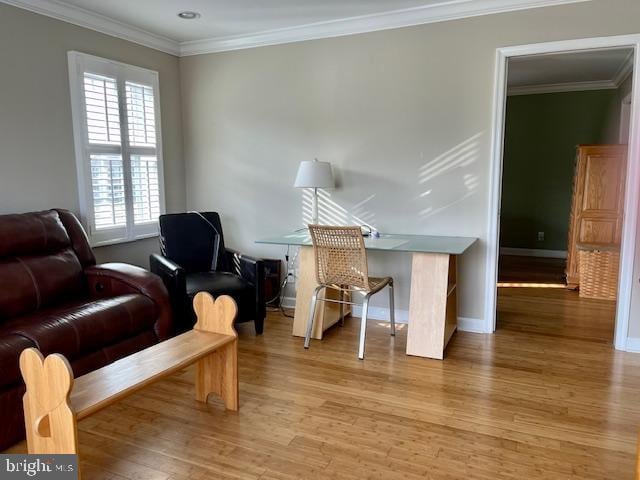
pixel 218 373
pixel 49 419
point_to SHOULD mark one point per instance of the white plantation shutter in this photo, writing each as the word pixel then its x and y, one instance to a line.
pixel 141 122
pixel 140 114
pixel 107 188
pixel 146 192
pixel 118 152
pixel 102 109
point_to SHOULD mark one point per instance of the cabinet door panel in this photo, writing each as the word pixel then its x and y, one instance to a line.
pixel 598 231
pixel 598 201
pixel 603 184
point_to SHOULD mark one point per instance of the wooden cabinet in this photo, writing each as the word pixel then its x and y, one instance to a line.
pixel 598 201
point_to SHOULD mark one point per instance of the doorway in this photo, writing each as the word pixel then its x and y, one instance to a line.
pixel 551 101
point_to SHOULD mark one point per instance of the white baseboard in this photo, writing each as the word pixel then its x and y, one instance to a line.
pixel 533 252
pixel 289 302
pixel 382 313
pixel 465 324
pixel 473 325
pixel 633 345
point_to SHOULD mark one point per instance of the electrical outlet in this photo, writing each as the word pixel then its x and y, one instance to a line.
pixel 540 236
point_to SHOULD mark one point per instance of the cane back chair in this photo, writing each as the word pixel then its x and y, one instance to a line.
pixel 341 264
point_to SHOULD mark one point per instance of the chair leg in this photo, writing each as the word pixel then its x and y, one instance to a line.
pixel 312 314
pixel 392 310
pixel 363 327
pixel 341 308
pixel 259 326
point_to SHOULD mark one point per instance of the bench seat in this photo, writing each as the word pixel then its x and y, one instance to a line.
pixel 100 388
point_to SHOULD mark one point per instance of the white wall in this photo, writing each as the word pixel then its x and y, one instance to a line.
pixel 37 163
pixel 404 115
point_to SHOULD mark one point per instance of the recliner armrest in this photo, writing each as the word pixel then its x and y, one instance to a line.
pixel 170 272
pixel 252 270
pixel 249 268
pixel 113 279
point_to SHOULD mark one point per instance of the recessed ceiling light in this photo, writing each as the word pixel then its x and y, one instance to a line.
pixel 188 15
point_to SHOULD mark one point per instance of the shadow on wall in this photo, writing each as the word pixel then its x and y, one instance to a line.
pixel 443 183
pixel 332 213
pixel 449 178
pixel 362 198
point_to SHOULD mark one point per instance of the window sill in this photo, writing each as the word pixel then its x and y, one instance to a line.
pixel 107 243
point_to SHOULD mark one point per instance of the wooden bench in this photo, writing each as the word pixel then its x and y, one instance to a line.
pixel 55 401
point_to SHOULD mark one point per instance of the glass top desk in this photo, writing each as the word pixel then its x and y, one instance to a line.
pixel 433 300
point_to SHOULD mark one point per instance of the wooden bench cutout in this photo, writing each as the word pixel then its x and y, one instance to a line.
pixel 55 401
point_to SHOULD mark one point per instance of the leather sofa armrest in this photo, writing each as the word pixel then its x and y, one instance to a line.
pixel 113 279
pixel 252 270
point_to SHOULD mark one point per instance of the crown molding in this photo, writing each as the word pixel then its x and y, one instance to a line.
pixel 441 12
pixel 621 75
pixel 562 87
pixel 625 70
pixel 99 23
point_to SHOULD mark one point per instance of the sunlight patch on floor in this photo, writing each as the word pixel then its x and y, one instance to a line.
pixel 530 285
pixel 399 326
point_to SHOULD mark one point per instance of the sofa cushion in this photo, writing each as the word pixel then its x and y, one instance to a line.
pixel 111 353
pixel 11 346
pixel 38 264
pixel 29 283
pixel 84 326
pixel 78 237
pixel 37 233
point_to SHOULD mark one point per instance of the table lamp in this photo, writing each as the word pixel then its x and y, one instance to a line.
pixel 314 174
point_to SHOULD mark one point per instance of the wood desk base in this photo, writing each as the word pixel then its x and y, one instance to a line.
pixel 432 310
pixel 433 313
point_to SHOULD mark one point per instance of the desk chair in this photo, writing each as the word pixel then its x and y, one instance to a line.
pixel 341 264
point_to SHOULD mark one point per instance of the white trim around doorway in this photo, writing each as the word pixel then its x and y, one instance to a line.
pixel 632 195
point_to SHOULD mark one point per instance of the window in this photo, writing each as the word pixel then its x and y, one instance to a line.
pixel 116 125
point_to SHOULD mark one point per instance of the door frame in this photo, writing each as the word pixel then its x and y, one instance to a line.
pixel 625 117
pixel 632 192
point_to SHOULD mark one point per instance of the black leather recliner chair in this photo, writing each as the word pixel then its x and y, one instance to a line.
pixel 194 259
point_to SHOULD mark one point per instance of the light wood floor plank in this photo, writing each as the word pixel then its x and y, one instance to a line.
pixel 545 397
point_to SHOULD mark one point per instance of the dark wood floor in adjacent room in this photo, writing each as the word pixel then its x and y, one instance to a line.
pixel 535 400
pixel 533 299
pixel 515 268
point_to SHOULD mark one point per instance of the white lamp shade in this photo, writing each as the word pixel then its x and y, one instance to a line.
pixel 314 174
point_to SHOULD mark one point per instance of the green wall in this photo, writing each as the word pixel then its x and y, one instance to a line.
pixel 541 135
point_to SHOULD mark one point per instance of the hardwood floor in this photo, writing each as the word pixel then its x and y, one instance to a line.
pixel 556 312
pixel 549 308
pixel 514 268
pixel 523 403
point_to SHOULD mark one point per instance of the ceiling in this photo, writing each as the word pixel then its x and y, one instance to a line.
pixel 586 70
pixel 233 24
pixel 222 18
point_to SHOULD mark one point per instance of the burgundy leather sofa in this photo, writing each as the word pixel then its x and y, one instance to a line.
pixel 54 297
